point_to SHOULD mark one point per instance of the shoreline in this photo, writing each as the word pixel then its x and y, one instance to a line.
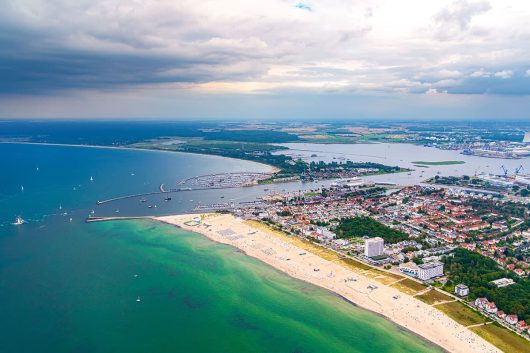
pixel 408 313
pixel 272 168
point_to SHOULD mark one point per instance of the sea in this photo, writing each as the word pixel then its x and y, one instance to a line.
pixel 140 286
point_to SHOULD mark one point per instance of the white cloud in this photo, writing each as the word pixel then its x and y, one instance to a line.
pixel 504 74
pixel 481 73
pixel 368 46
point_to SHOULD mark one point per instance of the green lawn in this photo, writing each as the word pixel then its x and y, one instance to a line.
pixel 433 297
pixel 461 313
pixel 409 286
pixel 502 338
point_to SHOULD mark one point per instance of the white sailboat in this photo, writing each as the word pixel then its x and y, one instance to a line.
pixel 19 221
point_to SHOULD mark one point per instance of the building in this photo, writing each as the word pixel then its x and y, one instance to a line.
pixel 409 268
pixel 430 270
pixel 461 290
pixel 491 308
pixel 503 282
pixel 374 247
pixel 511 319
pixel 481 302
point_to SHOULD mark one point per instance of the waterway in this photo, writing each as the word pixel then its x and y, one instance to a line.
pixel 403 155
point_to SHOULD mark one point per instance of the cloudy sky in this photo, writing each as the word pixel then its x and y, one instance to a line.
pixel 463 59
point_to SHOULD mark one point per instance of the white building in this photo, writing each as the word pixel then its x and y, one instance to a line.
pixel 409 268
pixel 430 270
pixel 374 247
pixel 503 282
pixel 461 290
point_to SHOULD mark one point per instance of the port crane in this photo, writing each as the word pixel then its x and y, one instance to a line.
pixel 518 169
pixel 504 171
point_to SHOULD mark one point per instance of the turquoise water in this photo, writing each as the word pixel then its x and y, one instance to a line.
pixel 68 286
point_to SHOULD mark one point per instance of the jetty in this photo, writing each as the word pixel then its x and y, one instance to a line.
pixel 91 219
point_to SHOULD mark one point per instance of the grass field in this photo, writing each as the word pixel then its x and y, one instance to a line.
pixel 502 338
pixel 409 286
pixel 433 297
pixel 438 163
pixel 461 313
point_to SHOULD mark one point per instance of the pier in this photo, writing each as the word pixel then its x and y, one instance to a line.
pixel 91 219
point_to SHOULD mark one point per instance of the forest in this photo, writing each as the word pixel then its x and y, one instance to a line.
pixel 358 227
pixel 477 271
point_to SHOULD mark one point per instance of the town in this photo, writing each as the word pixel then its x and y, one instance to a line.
pixel 425 232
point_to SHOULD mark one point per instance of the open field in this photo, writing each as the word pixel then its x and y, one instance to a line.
pixel 409 286
pixel 433 297
pixel 438 163
pixel 461 313
pixel 502 338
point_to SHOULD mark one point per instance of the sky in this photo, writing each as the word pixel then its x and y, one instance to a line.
pixel 274 59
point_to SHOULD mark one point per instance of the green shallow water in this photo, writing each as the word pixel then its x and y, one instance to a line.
pixel 196 296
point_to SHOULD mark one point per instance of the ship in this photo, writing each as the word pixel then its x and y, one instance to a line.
pixel 19 221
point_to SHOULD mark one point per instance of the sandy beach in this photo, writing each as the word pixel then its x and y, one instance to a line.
pixel 400 308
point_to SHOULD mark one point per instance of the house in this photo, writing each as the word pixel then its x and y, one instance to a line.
pixel 521 325
pixel 511 319
pixel 461 290
pixel 491 308
pixel 481 302
pixel 519 272
pixel 501 314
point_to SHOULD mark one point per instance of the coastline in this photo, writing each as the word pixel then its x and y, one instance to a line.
pixel 407 312
pixel 272 168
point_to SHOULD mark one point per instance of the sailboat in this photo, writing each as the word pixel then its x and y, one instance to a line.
pixel 19 221
pixel 91 178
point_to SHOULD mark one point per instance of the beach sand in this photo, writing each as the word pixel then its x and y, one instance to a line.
pixel 406 311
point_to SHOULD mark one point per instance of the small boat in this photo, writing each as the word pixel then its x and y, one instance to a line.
pixel 117 211
pixel 91 179
pixel 167 199
pixel 19 221
pixel 22 188
pixel 138 299
pixel 92 212
pixel 60 206
pixel 150 206
pixel 222 197
pixel 143 200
